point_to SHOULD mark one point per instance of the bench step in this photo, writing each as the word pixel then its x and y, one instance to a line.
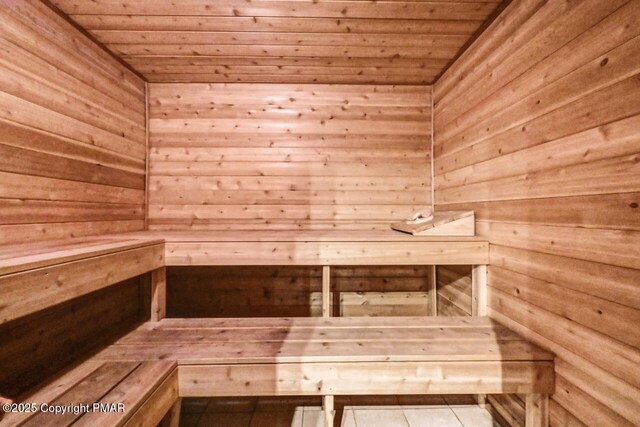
pixel 115 394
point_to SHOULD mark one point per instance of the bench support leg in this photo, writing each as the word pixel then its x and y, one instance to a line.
pixel 158 294
pixel 329 411
pixel 537 410
pixel 326 291
pixel 433 292
pixel 479 290
pixel 172 419
pixel 482 400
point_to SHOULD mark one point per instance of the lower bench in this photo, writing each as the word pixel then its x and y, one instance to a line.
pixel 345 356
pixel 98 393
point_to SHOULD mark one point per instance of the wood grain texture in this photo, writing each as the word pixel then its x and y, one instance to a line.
pixel 284 41
pixel 540 137
pixel 318 339
pixel 38 346
pixel 30 291
pixel 72 154
pixel 287 156
pixel 278 291
pixel 327 356
pixel 146 389
pixel 454 290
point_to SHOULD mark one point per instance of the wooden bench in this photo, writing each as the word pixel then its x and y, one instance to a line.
pixel 327 249
pixel 375 247
pixel 311 356
pixel 36 276
pixel 345 356
pixel 111 394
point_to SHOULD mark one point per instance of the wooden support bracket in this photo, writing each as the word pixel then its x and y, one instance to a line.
pixel 158 294
pixel 172 419
pixel 537 410
pixel 433 295
pixel 326 291
pixel 329 410
pixel 479 290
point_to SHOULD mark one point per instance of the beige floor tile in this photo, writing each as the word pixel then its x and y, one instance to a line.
pixel 291 418
pixel 232 404
pixel 313 417
pixel 380 418
pixel 474 416
pixel 432 417
pixel 348 419
pixel 422 400
pixel 225 420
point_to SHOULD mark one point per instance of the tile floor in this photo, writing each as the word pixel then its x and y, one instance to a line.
pixel 356 411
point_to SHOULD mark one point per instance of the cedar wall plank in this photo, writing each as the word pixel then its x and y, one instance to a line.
pixel 259 156
pixel 284 41
pixel 540 137
pixel 287 291
pixel 72 131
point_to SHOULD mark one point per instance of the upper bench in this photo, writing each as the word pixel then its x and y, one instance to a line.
pixel 375 247
pixel 39 275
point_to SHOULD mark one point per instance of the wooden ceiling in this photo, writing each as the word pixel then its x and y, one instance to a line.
pixel 291 41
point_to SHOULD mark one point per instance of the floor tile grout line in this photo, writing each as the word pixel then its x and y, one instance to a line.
pixel 405 417
pixel 456 415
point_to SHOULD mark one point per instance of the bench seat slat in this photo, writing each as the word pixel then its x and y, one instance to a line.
pixel 133 392
pixel 53 388
pixel 327 322
pixel 295 236
pixel 30 256
pixel 87 391
pixel 274 352
pixel 309 335
pixel 217 341
pixel 133 383
pixel 157 405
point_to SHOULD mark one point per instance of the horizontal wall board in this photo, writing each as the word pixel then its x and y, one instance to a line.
pixel 418 39
pixel 72 132
pixel 536 130
pixel 292 157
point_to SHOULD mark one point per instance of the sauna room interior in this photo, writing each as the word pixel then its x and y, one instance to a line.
pixel 306 213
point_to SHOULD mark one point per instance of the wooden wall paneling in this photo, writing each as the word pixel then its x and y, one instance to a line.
pixel 454 290
pixel 244 291
pixel 386 304
pixel 390 42
pixel 297 291
pixel 72 131
pixel 287 156
pixel 539 137
pixel 39 345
